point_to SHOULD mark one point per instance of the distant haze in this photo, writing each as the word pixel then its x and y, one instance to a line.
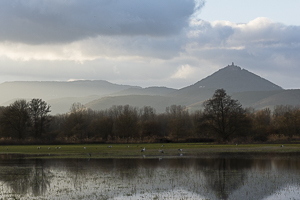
pixel 243 85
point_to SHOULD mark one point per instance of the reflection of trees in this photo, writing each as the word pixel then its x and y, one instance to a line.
pixel 77 172
pixel 40 178
pixel 26 177
pixel 216 178
pixel 224 178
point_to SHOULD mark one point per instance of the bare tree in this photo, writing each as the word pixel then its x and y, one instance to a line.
pixel 261 125
pixel 286 120
pixel 15 119
pixel 76 123
pixel 101 128
pixel 39 114
pixel 224 117
pixel 77 107
pixel 179 124
pixel 126 124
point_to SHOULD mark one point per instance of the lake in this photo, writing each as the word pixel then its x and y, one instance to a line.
pixel 266 177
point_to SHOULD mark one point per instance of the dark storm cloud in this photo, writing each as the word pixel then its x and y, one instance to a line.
pixel 61 21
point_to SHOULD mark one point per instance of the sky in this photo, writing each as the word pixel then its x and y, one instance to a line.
pixel 172 43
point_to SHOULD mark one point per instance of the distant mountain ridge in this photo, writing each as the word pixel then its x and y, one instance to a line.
pixel 146 91
pixel 234 79
pixel 247 87
pixel 58 89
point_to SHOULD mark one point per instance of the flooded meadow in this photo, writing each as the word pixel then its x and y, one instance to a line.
pixel 148 178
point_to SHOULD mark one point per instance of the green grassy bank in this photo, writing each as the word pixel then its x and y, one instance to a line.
pixel 152 150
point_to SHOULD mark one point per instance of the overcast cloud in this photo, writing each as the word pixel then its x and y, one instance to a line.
pixel 138 42
pixel 61 21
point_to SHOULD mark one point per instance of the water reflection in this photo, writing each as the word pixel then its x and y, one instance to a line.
pixel 217 178
pixel 20 176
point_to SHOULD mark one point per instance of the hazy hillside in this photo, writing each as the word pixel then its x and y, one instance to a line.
pixel 247 99
pixel 62 105
pixel 52 89
pixel 146 91
pixel 243 85
pixel 248 88
pixel 233 79
pixel 252 97
pixel 286 97
pixel 158 102
pixel 261 99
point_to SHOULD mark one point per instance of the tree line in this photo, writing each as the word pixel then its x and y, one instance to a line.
pixel 222 119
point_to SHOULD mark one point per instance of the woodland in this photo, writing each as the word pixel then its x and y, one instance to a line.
pixel 222 120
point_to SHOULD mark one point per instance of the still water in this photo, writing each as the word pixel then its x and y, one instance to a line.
pixel 179 178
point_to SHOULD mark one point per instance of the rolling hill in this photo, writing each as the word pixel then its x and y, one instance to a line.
pixel 146 91
pixel 56 89
pixel 250 89
pixel 231 78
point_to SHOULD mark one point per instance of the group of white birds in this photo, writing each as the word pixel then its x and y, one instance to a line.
pixel 49 148
pixel 144 149
pixel 160 150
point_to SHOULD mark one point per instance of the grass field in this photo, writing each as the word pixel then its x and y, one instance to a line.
pixel 152 150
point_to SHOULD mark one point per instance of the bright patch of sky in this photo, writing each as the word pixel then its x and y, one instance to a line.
pixel 238 11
